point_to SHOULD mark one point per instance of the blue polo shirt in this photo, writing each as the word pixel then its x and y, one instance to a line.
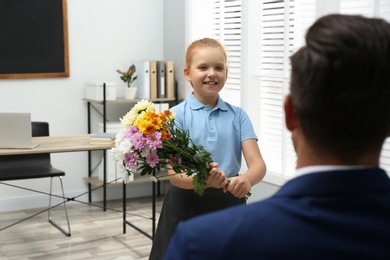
pixel 220 130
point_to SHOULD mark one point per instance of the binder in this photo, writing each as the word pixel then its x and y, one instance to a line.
pixel 161 79
pixel 169 79
pixel 153 79
pixel 143 80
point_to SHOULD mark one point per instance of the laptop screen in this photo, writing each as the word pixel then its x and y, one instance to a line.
pixel 15 130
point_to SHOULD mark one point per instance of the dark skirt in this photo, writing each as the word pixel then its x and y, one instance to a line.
pixel 180 204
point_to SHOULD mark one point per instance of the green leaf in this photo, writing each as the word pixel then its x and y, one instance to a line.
pixel 199 185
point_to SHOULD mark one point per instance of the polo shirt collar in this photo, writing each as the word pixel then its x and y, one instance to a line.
pixel 195 104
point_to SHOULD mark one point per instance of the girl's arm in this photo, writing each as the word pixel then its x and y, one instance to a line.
pixel 241 185
pixel 217 179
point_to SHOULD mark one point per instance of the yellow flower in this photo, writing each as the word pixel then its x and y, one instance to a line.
pixel 138 110
pixel 149 122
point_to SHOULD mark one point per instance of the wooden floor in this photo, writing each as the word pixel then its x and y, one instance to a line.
pixel 95 234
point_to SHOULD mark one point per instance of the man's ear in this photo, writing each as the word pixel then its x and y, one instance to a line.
pixel 289 113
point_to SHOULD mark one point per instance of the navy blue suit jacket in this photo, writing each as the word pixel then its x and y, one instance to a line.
pixel 324 215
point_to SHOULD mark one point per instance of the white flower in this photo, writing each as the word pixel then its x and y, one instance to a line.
pixel 128 120
pixel 154 179
pixel 120 136
pixel 138 110
pixel 125 174
pixel 143 105
pixel 118 151
pixel 145 152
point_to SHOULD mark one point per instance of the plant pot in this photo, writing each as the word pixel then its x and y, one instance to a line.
pixel 130 92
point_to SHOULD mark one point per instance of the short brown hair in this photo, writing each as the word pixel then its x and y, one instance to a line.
pixel 340 85
pixel 202 43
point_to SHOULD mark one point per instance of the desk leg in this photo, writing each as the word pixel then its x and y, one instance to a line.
pixel 104 152
pixel 159 188
pixel 89 175
pixel 124 207
pixel 154 205
pixel 89 153
pixel 104 181
pixel 125 222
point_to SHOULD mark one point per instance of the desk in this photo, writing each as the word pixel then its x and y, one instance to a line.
pixel 76 143
pixel 59 144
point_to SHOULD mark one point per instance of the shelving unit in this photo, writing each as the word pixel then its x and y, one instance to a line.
pixel 94 181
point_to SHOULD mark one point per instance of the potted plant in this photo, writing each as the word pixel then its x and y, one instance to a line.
pixel 129 77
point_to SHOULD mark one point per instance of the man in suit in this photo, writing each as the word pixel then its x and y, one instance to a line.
pixel 338 203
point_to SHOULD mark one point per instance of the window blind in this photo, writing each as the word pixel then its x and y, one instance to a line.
pixel 280 27
pixel 221 20
pixel 226 27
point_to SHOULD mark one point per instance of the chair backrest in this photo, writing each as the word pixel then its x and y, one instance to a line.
pixel 40 129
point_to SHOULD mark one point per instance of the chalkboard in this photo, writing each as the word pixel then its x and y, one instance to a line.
pixel 33 39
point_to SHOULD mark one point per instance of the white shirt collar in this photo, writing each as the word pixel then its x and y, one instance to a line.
pixel 323 168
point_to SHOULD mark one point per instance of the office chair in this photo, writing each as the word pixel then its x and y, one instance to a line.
pixel 32 166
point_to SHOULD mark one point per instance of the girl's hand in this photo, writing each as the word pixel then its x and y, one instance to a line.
pixel 239 186
pixel 217 178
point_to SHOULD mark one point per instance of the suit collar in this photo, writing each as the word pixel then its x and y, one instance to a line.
pixel 337 182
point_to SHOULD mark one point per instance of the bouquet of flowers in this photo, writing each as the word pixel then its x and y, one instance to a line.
pixel 150 140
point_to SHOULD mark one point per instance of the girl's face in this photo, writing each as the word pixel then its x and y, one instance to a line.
pixel 207 74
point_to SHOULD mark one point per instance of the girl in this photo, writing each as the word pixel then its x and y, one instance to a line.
pixel 222 129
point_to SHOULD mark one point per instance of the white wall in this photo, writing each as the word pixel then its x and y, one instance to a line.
pixel 103 36
pixel 174 39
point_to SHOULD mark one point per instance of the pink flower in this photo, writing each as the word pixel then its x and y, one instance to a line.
pixel 131 131
pixel 154 141
pixel 130 160
pixel 139 141
pixel 152 159
pixel 174 160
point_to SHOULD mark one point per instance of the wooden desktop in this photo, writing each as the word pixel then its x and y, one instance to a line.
pixel 58 144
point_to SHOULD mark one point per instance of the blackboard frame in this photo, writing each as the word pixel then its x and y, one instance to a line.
pixel 50 33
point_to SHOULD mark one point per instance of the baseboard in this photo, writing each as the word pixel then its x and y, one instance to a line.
pixel 114 192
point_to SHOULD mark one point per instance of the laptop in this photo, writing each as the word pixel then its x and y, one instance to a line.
pixel 15 130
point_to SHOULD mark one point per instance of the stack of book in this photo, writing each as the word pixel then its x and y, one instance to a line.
pixel 102 138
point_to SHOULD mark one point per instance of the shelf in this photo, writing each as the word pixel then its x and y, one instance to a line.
pixel 95 181
pixel 122 100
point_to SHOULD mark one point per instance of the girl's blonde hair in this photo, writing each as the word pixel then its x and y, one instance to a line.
pixel 202 43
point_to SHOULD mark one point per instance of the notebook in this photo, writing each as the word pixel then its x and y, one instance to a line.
pixel 15 130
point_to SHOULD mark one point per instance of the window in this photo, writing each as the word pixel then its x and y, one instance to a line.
pixel 260 36
pixel 281 29
pixel 221 20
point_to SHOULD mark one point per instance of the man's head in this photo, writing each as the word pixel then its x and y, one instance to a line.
pixel 340 85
